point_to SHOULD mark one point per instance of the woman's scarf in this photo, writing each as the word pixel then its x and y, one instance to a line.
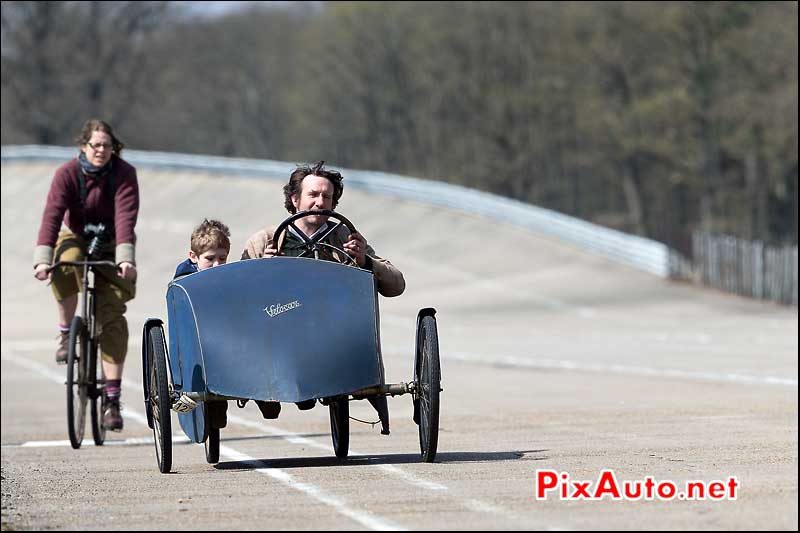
pixel 93 171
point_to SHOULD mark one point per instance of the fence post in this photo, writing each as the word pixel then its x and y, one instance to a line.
pixel 758 269
pixel 748 268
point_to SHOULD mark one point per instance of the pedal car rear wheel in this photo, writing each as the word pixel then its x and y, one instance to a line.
pixel 340 426
pixel 428 387
pixel 97 386
pixel 212 441
pixel 160 403
pixel 77 391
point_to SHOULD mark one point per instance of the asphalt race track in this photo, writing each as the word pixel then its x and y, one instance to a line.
pixel 552 359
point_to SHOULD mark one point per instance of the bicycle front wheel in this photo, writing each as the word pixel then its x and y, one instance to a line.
pixel 77 381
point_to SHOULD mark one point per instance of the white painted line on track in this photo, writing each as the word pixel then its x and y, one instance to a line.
pixel 516 361
pixel 299 439
pixel 552 364
pixel 134 441
pixel 367 520
pixel 405 476
pixel 471 504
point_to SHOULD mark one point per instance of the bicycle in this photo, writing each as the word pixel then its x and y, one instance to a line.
pixel 85 378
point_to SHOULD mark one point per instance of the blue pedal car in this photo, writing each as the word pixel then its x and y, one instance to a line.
pixel 290 329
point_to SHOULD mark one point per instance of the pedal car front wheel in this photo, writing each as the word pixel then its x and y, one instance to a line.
pixel 340 426
pixel 212 440
pixel 428 387
pixel 160 403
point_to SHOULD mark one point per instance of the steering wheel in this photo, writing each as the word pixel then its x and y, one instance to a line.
pixel 311 246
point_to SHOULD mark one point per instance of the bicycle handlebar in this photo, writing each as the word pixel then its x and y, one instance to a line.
pixel 81 263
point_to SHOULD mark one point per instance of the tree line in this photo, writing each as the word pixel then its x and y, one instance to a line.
pixel 654 118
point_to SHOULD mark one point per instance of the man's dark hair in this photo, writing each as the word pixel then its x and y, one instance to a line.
pixel 295 184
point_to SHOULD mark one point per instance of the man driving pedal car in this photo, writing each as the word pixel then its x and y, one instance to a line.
pixel 317 189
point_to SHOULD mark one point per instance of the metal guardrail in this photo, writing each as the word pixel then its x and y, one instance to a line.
pixel 644 254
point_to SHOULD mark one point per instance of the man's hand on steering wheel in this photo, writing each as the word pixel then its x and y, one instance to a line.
pixel 356 247
pixel 270 250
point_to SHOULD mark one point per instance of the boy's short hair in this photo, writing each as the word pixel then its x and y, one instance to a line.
pixel 210 235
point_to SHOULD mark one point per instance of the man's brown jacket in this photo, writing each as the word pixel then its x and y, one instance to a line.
pixel 389 279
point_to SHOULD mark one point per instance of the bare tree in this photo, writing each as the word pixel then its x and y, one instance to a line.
pixel 66 61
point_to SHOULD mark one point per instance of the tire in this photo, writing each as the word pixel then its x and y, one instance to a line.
pixel 160 404
pixel 212 442
pixel 77 386
pixel 340 427
pixel 428 387
pixel 97 386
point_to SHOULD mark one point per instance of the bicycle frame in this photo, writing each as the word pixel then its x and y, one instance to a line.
pixel 88 313
pixel 88 310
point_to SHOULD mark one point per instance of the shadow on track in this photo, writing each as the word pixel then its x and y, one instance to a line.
pixel 382 459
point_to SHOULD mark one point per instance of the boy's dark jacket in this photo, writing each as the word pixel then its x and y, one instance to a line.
pixel 187 267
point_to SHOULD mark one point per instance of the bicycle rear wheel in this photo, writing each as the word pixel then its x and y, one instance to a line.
pixel 77 383
pixel 97 386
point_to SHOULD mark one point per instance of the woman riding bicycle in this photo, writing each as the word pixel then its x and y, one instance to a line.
pixel 97 187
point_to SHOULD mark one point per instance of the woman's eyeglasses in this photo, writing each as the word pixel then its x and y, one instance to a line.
pixel 98 146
